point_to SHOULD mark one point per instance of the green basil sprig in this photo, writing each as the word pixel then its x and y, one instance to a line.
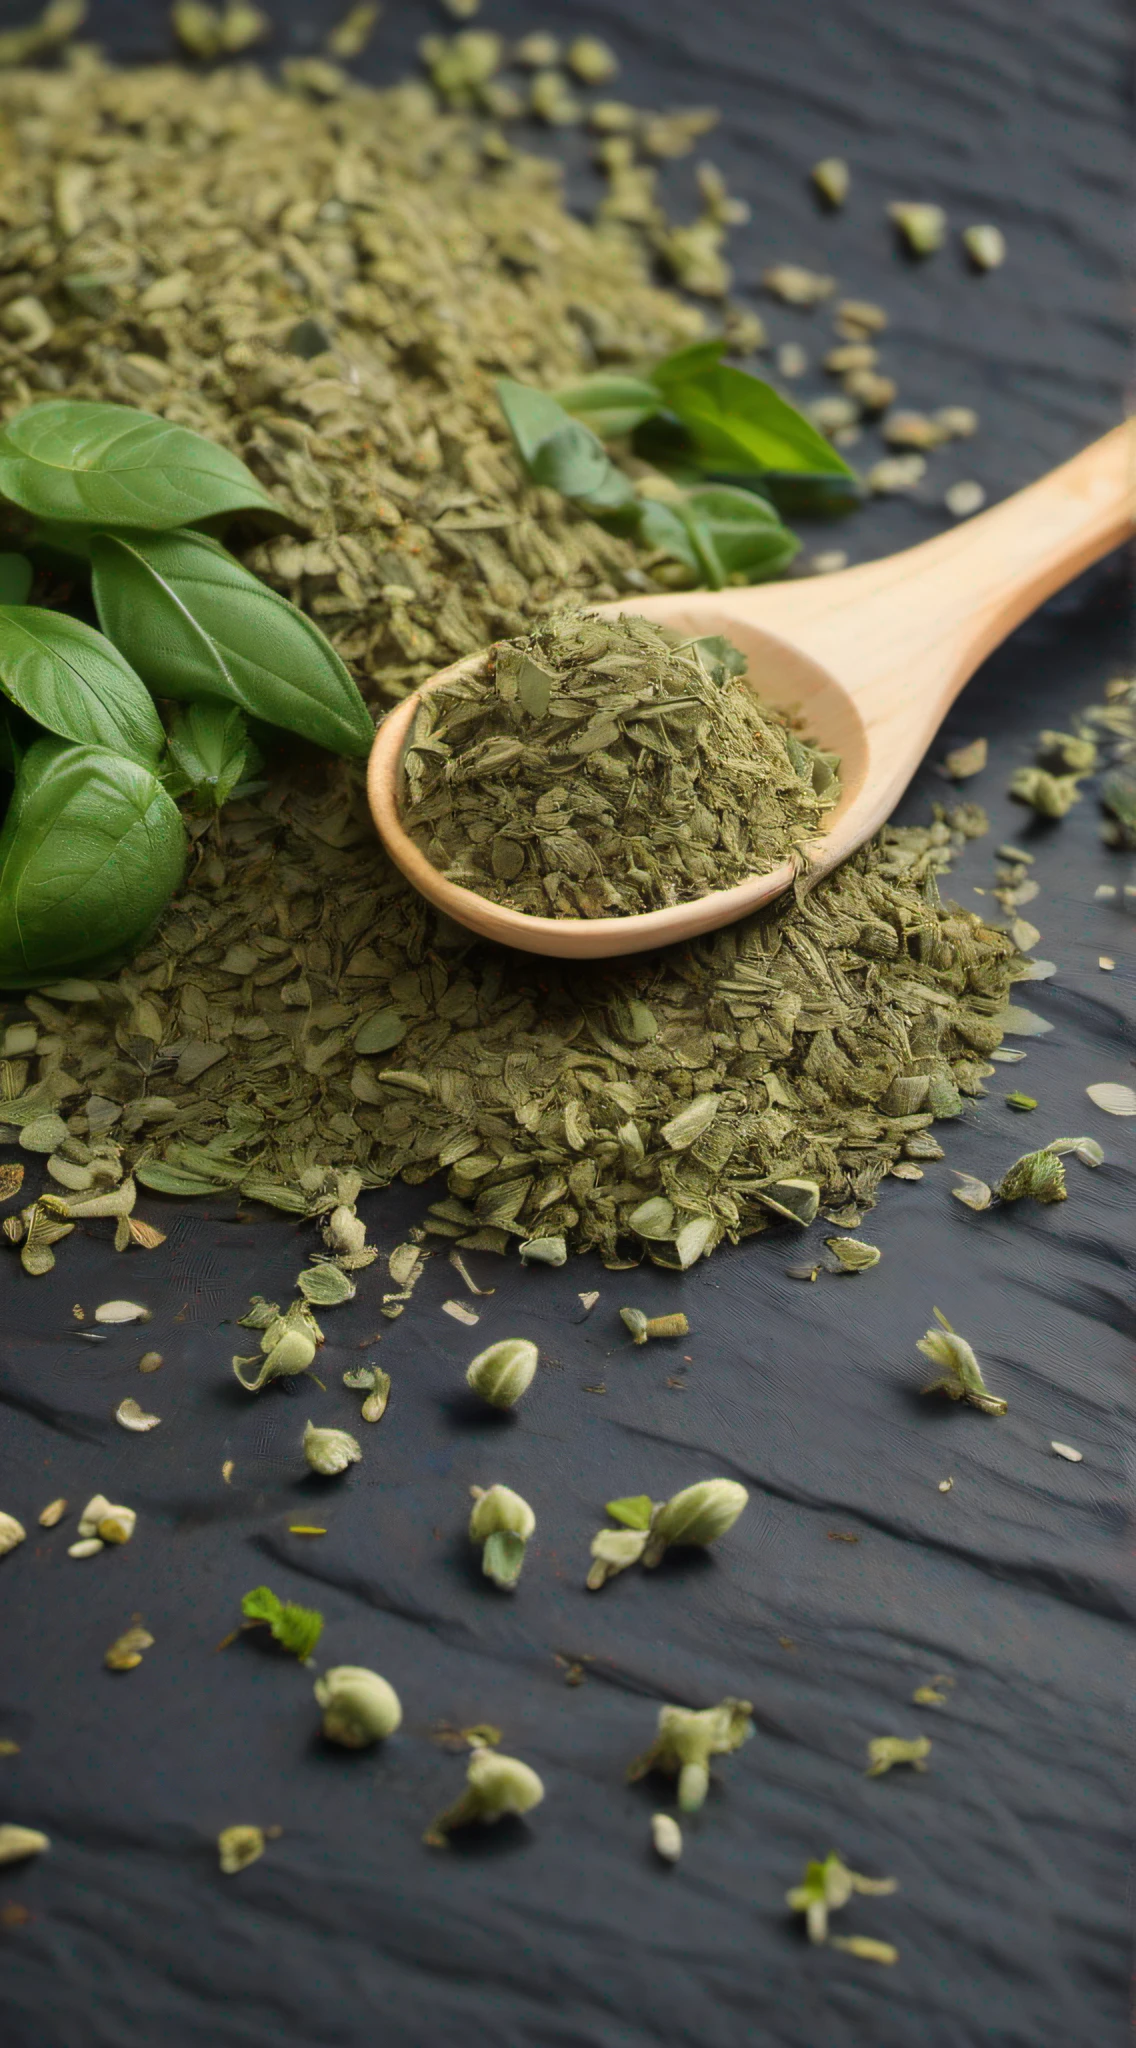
pixel 71 680
pixel 211 752
pixel 91 851
pixel 563 453
pixel 737 424
pixel 720 532
pixel 90 464
pixel 197 625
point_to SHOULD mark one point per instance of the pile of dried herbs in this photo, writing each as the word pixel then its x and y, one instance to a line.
pixel 599 767
pixel 327 280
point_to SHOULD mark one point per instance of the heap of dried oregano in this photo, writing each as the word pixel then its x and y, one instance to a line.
pixel 327 282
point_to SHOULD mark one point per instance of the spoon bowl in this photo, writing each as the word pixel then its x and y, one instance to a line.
pixel 870 658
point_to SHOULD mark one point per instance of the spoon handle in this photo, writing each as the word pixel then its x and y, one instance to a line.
pixel 924 619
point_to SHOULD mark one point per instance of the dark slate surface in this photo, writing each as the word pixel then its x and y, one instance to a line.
pixel 1011 1852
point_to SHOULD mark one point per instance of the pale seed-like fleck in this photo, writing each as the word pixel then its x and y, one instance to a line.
pixel 1066 1451
pixel 129 1415
pixel 52 1513
pixel 122 1312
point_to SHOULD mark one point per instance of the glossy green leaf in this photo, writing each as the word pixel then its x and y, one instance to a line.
pixel 211 749
pixel 164 1179
pixel 719 532
pixel 70 679
pixel 91 851
pixel 563 453
pixel 15 579
pixel 685 363
pixel 198 625
pixel 739 425
pixel 634 1510
pixel 113 465
pixel 610 405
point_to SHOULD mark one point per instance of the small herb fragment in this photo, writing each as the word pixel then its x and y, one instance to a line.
pixel 827 1887
pixel 666 1837
pixel 986 247
pixel 832 179
pixel 1066 1451
pixel 686 1741
pixel 1114 1097
pixel 866 1947
pixel 296 1629
pixel 329 1451
pixel 377 1385
pixel 16 1843
pixel 503 1372
pixel 11 1533
pixel 495 1786
pixel 122 1312
pixel 853 1254
pixel 922 226
pixel 501 1522
pixel 239 1846
pixel 962 762
pixel 698 1515
pixel 885 1751
pixel 962 1377
pixel 359 1707
pixel 642 1327
pixel 125 1653
pixel 1039 1175
pixel 52 1513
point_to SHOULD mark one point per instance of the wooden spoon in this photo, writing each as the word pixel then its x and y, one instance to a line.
pixel 873 657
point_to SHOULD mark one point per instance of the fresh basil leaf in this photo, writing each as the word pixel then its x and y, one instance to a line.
pixel 563 453
pixel 69 679
pixel 15 579
pixel 612 406
pixel 745 534
pixel 198 625
pixel 91 851
pixel 210 746
pixel 688 362
pixel 719 532
pixel 113 465
pixel 739 425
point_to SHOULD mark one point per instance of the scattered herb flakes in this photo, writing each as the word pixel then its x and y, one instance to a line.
pixel 1074 1457
pixel 1114 1097
pixel 129 1415
pixel 461 1312
pixel 125 1653
pixel 961 1378
pixel 616 763
pixel 886 1751
pixel 296 1629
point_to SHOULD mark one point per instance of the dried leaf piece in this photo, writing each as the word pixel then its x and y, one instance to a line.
pixel 985 245
pixel 827 1887
pixel 832 179
pixel 52 1513
pixel 854 1255
pixel 502 1523
pixel 962 1377
pixel 1039 1175
pixel 922 226
pixel 16 1843
pixel 461 1312
pixel 1021 1023
pixel 150 1361
pixel 963 762
pixel 125 1653
pixel 239 1846
pixel 614 1551
pixel 11 1533
pixel 885 1751
pixel 296 1629
pixel 122 1312
pixel 129 1415
pixel 971 1192
pixel 634 1510
pixel 1086 1150
pixel 686 1741
pixel 11 1176
pixel 544 1251
pixel 326 1285
pixel 330 1451
pixel 350 36
pixel 145 1235
pixel 1114 1097
pixel 377 1384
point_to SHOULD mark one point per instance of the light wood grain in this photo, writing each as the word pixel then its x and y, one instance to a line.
pixel 874 657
